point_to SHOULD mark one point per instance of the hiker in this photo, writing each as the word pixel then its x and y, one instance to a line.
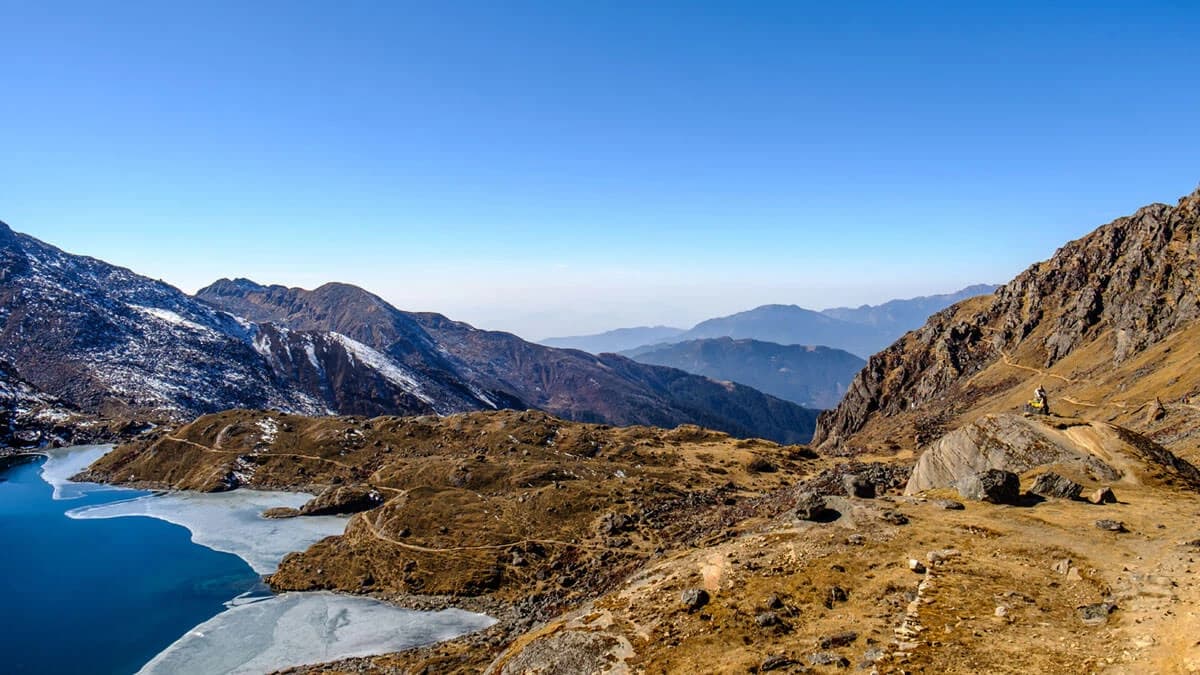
pixel 1039 395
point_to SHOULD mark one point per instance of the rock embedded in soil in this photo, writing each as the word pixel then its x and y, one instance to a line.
pixel 835 595
pixel 812 507
pixel 693 599
pixel 1102 495
pixel 858 486
pixel 342 500
pixel 1111 525
pixel 994 485
pixel 949 504
pixel 775 663
pixel 1095 614
pixel 767 619
pixel 842 639
pixel 1053 486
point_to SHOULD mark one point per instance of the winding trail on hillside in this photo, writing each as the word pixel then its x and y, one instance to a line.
pixel 205 448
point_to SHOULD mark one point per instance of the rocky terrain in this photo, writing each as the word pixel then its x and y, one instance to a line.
pixel 515 373
pixel 1107 326
pixel 88 348
pixel 517 506
pixel 645 550
pixel 815 377
pixel 935 525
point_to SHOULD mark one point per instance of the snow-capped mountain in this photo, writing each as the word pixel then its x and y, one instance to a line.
pixel 107 341
pixel 82 336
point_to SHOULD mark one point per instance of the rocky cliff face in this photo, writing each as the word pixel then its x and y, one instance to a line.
pixel 1132 282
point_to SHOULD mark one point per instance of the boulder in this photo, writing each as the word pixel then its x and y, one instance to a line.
pixel 1095 614
pixel 761 465
pixel 1006 442
pixel 858 486
pixel 281 512
pixel 842 639
pixel 693 599
pixel 341 499
pixel 1156 411
pixel 1102 495
pixel 993 485
pixel 767 619
pixel 812 506
pixel 775 663
pixel 1053 486
pixel 836 595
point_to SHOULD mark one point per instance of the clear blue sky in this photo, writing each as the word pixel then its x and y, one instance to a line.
pixel 562 167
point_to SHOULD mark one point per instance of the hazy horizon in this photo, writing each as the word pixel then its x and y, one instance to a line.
pixel 560 169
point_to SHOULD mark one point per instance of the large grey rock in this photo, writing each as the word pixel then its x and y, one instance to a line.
pixel 994 485
pixel 1054 486
pixel 693 599
pixel 858 486
pixel 1006 442
pixel 339 499
pixel 812 507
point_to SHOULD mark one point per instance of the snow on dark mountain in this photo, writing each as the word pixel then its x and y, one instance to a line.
pixel 80 337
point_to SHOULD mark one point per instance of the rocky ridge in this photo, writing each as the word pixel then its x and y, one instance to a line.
pixel 1106 299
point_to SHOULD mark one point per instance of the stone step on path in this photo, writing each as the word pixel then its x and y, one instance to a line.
pixel 907 634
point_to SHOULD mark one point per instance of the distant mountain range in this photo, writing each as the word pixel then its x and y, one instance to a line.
pixel 814 377
pixel 619 340
pixel 861 331
pixel 84 343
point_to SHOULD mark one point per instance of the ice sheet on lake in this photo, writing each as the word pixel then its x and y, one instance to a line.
pixel 230 521
pixel 62 463
pixel 305 628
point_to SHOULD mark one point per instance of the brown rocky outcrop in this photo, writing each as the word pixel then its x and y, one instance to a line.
pixel 1133 280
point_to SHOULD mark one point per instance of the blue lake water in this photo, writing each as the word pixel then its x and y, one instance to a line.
pixel 97 580
pixel 98 596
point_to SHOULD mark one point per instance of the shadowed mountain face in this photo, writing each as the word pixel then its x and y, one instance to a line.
pixel 815 377
pixel 511 372
pixel 1107 325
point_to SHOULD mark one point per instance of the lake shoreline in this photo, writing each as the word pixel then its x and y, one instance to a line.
pixel 506 617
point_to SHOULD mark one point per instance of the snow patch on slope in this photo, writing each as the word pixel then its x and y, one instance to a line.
pixel 384 366
pixel 172 318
